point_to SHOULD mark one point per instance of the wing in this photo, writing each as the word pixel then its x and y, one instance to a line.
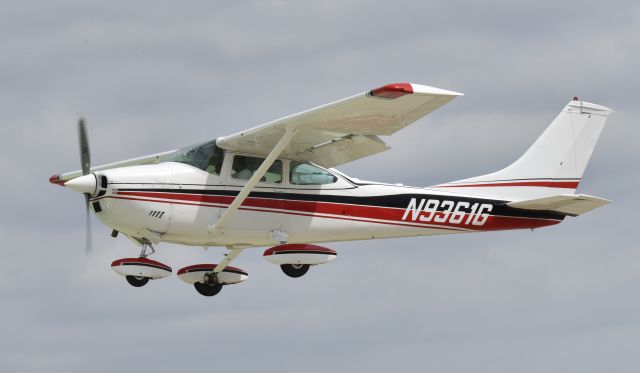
pixel 344 130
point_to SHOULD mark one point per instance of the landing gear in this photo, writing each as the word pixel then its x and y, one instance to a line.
pixel 295 270
pixel 146 244
pixel 137 281
pixel 209 286
pixel 138 271
pixel 207 281
pixel 207 290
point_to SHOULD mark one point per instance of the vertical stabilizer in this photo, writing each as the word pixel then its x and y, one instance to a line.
pixel 553 165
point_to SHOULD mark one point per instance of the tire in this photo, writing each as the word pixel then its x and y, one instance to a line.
pixel 207 290
pixel 295 270
pixel 137 281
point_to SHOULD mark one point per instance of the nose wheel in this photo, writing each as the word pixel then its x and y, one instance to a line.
pixel 140 281
pixel 138 271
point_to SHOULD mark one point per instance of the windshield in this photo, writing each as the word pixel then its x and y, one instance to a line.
pixel 206 156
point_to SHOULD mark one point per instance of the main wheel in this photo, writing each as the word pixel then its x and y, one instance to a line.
pixel 295 270
pixel 207 290
pixel 136 281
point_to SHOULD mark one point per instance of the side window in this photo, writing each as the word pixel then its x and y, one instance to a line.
pixel 303 173
pixel 243 168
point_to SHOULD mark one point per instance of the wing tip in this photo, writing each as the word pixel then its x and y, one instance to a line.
pixel 395 90
pixel 425 89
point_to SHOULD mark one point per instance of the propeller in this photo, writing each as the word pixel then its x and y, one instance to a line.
pixel 85 160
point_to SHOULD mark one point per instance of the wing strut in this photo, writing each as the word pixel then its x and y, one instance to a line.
pixel 214 229
pixel 228 258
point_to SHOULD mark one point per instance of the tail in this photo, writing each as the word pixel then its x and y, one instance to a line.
pixel 553 165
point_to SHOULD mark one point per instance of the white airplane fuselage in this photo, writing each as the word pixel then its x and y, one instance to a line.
pixel 177 203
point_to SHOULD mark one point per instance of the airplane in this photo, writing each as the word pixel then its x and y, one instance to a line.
pixel 275 186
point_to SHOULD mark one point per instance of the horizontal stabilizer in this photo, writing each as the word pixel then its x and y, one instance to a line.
pixel 568 204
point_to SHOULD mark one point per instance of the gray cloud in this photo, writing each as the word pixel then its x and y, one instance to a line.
pixel 152 78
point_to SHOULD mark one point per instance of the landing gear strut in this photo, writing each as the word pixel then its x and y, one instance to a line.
pixel 146 244
pixel 295 270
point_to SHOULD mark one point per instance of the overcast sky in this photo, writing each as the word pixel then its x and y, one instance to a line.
pixel 153 76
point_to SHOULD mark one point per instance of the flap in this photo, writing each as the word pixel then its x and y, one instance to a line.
pixel 344 150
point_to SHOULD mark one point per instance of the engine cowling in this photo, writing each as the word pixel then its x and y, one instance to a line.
pixel 299 254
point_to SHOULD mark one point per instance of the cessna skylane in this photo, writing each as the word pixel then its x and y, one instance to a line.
pixel 275 186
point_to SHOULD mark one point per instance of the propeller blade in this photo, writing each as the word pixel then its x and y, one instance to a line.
pixel 85 161
pixel 85 158
pixel 88 225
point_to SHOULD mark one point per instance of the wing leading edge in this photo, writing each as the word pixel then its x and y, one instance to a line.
pixel 147 159
pixel 344 130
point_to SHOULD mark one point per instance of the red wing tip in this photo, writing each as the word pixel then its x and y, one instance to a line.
pixel 55 179
pixel 393 90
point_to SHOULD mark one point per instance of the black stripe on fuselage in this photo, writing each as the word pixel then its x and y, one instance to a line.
pixel 391 200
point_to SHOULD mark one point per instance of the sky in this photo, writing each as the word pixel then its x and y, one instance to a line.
pixel 154 76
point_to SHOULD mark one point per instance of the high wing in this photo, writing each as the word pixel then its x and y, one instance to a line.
pixel 329 135
pixel 344 130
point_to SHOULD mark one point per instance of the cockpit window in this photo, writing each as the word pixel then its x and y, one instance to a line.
pixel 303 173
pixel 207 157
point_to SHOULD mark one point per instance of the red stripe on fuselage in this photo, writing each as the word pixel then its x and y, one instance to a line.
pixel 389 215
pixel 281 212
pixel 545 184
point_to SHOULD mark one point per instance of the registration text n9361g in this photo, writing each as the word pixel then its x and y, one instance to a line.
pixel 434 210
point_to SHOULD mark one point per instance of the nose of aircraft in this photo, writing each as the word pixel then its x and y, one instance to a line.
pixel 83 184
